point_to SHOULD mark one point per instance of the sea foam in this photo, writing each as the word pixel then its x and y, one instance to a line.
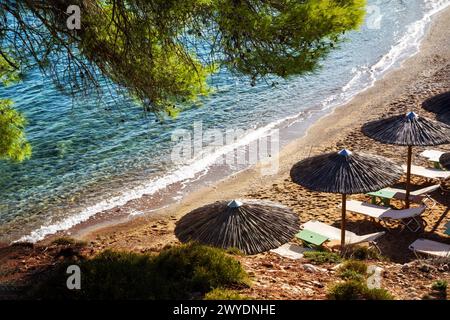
pixel 364 78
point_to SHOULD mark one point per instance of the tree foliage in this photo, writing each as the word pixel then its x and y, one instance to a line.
pixel 162 51
pixel 13 144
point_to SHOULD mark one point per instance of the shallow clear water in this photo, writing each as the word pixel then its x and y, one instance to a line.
pixel 84 154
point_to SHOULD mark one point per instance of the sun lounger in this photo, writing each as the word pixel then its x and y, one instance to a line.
pixel 417 196
pixel 291 251
pixel 432 155
pixel 333 233
pixel 430 247
pixel 428 172
pixel 407 217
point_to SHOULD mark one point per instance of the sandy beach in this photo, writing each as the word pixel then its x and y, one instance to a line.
pixel 422 76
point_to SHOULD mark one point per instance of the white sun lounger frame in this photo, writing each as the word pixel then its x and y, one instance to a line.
pixel 422 193
pixel 429 173
pixel 430 247
pixel 407 217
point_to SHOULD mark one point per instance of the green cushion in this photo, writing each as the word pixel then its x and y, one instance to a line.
pixel 311 237
pixel 387 194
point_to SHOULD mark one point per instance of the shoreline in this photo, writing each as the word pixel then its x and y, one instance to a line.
pixel 335 122
pixel 403 275
pixel 338 123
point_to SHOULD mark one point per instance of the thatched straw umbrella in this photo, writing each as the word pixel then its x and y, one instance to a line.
pixel 346 173
pixel 408 130
pixel 252 226
pixel 444 160
pixel 440 105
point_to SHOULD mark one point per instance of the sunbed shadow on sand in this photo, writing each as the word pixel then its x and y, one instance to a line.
pixel 394 244
pixel 440 220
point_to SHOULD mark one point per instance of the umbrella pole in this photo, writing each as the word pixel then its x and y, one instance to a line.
pixel 344 209
pixel 408 176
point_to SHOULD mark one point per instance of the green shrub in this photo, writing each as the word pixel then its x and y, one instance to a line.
pixel 321 257
pixel 439 285
pixel 355 266
pixel 351 275
pixel 234 251
pixel 365 253
pixel 377 294
pixel 67 241
pixel 109 275
pixel 195 267
pixel 116 275
pixel 357 290
pixel 179 272
pixel 355 286
pixel 348 290
pixel 224 294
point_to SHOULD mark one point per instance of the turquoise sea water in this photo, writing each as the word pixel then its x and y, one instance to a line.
pixel 88 157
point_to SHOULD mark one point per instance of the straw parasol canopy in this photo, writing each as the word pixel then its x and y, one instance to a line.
pixel 252 226
pixel 440 105
pixel 346 173
pixel 444 160
pixel 408 130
